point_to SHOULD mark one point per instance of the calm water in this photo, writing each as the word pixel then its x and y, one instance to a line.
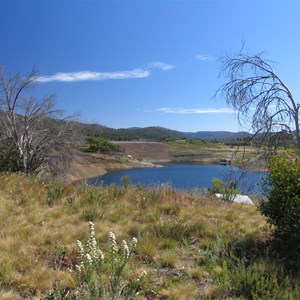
pixel 183 176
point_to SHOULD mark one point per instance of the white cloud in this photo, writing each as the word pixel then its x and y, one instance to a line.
pixel 160 65
pixel 97 76
pixel 205 57
pixel 171 110
pixel 89 75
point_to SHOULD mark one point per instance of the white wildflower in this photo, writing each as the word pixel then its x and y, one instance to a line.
pixel 143 274
pixel 80 247
pixel 78 268
pixel 89 258
pixel 133 243
pixel 101 256
pixel 126 251
pixel 112 242
pixel 92 239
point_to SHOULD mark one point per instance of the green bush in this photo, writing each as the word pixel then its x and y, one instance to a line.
pixel 9 159
pixel 126 182
pixel 260 280
pixel 227 189
pixel 54 193
pixel 100 145
pixel 282 207
pixel 246 269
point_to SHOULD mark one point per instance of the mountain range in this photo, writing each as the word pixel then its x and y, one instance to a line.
pixel 156 133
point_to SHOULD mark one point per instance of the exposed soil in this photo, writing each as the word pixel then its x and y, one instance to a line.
pixel 87 165
pixel 156 152
pixel 147 151
pixel 142 155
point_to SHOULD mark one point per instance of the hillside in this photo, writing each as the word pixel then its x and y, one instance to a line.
pixel 155 133
pixel 189 246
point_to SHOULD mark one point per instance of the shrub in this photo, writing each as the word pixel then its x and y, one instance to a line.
pixel 100 145
pixel 9 159
pixel 54 193
pixel 126 181
pixel 282 207
pixel 246 269
pixel 227 189
pixel 260 280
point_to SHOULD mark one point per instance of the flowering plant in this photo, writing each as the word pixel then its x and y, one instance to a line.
pixel 94 265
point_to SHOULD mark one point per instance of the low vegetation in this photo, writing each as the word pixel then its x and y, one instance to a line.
pixel 100 145
pixel 188 246
pixel 283 205
pixel 211 152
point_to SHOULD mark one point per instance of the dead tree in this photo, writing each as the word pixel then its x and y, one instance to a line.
pixel 261 99
pixel 34 127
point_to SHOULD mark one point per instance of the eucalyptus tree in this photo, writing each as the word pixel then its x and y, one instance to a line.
pixel 261 98
pixel 33 127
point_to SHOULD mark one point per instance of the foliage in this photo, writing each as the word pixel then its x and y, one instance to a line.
pixel 167 138
pixel 130 134
pixel 228 186
pixel 9 158
pixel 126 181
pixel 100 145
pixel 249 270
pixel 224 188
pixel 54 193
pixel 282 207
pixel 259 280
pixel 154 133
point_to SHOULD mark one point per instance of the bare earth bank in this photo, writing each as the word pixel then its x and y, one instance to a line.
pixel 141 155
pixel 88 165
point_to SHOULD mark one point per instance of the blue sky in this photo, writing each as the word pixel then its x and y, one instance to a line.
pixel 145 63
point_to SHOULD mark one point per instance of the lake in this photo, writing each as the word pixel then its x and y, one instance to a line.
pixel 182 176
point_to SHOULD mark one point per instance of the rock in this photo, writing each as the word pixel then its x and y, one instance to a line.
pixel 237 198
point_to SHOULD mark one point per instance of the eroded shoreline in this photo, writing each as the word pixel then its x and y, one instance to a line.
pixel 87 165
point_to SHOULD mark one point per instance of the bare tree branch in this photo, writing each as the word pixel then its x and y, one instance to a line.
pixel 35 128
pixel 261 99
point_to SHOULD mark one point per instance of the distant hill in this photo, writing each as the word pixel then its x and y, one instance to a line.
pixel 156 133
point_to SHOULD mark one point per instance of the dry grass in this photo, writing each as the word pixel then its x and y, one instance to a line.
pixel 40 223
pixel 209 152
